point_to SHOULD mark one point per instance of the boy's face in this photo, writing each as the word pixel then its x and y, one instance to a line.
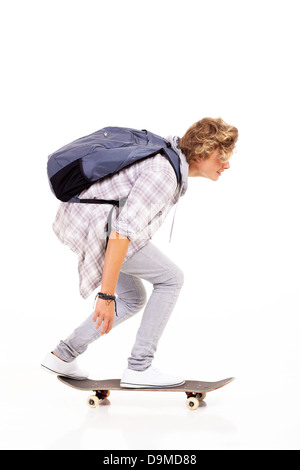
pixel 211 168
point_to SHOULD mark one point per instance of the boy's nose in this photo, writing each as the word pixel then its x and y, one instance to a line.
pixel 226 166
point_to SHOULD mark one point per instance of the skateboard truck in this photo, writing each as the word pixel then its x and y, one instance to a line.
pixel 194 399
pixel 94 400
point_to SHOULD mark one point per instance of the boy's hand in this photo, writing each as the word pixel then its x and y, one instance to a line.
pixel 104 314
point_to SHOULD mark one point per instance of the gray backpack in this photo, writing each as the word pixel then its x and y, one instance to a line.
pixel 76 166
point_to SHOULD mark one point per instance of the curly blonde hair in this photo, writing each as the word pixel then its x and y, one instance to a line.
pixel 203 137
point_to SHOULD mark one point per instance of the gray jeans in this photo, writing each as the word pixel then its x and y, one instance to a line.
pixel 167 279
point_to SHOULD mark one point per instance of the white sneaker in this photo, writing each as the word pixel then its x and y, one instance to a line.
pixel 150 378
pixel 53 364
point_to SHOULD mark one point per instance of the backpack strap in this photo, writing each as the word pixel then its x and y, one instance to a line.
pixel 97 201
pixel 121 204
pixel 113 202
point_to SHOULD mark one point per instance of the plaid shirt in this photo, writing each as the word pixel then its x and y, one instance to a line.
pixel 151 190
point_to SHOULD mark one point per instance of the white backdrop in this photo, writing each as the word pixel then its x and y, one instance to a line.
pixel 71 67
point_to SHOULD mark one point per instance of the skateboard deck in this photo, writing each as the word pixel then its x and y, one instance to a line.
pixel 195 390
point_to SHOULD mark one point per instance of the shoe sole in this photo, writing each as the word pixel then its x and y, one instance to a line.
pixel 131 385
pixel 63 375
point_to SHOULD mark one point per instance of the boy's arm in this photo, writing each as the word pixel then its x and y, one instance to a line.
pixel 116 251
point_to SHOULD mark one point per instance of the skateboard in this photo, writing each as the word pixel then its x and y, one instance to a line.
pixel 195 391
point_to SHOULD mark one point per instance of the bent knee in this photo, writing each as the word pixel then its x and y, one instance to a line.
pixel 179 275
pixel 173 278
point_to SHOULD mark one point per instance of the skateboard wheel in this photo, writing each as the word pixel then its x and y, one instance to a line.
pixel 201 396
pixel 93 401
pixel 192 403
